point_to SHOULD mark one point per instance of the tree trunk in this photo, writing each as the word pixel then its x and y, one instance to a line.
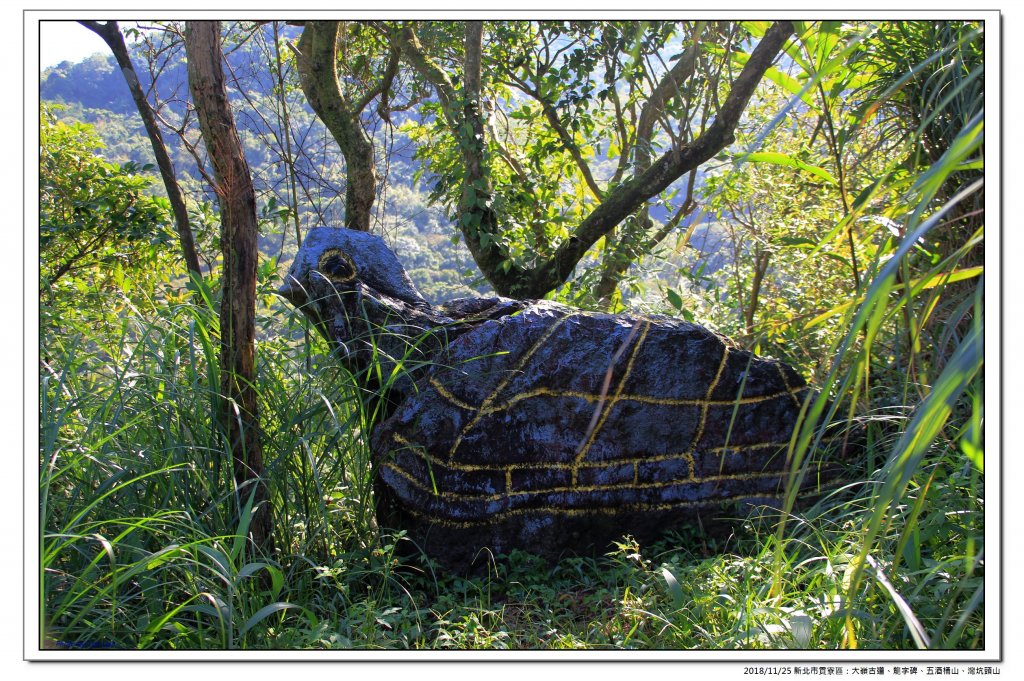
pixel 318 76
pixel 464 115
pixel 475 205
pixel 239 410
pixel 111 35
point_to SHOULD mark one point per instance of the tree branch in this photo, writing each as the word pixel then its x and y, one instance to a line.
pixel 409 45
pixel 630 195
pixel 383 86
pixel 569 143
pixel 669 85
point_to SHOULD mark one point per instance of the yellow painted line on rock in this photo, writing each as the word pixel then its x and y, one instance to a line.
pixel 688 457
pixel 500 496
pixel 493 518
pixel 627 397
pixel 792 391
pixel 443 392
pixel 707 397
pixel 504 382
pixel 582 453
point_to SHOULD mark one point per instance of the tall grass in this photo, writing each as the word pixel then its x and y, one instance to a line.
pixel 143 530
pixel 912 348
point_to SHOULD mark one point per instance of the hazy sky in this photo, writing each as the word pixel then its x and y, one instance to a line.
pixel 66 41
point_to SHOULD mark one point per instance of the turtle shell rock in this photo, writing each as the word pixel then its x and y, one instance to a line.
pixel 532 425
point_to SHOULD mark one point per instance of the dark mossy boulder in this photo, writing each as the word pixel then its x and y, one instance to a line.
pixel 532 425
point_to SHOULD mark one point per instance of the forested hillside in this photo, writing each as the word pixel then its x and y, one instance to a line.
pixel 212 442
pixel 93 91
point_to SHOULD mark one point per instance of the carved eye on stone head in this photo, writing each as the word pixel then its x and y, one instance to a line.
pixel 337 266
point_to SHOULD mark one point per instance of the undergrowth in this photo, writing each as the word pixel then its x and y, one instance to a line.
pixel 143 533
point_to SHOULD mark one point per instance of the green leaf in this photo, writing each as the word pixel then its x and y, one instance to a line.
pixel 162 556
pixel 780 78
pixel 779 159
pixel 222 566
pixel 797 242
pixel 267 611
pixel 674 299
pixel 756 28
pixel 674 590
pixel 276 576
pixel 838 258
pixel 827 39
pixel 974 453
pixel 242 533
pixel 867 194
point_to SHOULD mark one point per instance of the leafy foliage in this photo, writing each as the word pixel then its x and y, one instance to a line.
pixel 96 219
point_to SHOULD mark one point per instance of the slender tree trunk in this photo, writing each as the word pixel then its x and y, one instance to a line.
pixel 477 220
pixel 761 260
pixel 624 250
pixel 475 204
pixel 234 189
pixel 286 122
pixel 318 76
pixel 111 34
pixel 618 261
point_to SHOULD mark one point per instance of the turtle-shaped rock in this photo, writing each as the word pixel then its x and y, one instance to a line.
pixel 528 424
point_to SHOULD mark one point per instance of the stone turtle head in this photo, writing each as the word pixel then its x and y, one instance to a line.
pixel 352 286
pixel 335 259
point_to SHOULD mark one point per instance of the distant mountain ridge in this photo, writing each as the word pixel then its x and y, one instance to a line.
pixel 94 83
